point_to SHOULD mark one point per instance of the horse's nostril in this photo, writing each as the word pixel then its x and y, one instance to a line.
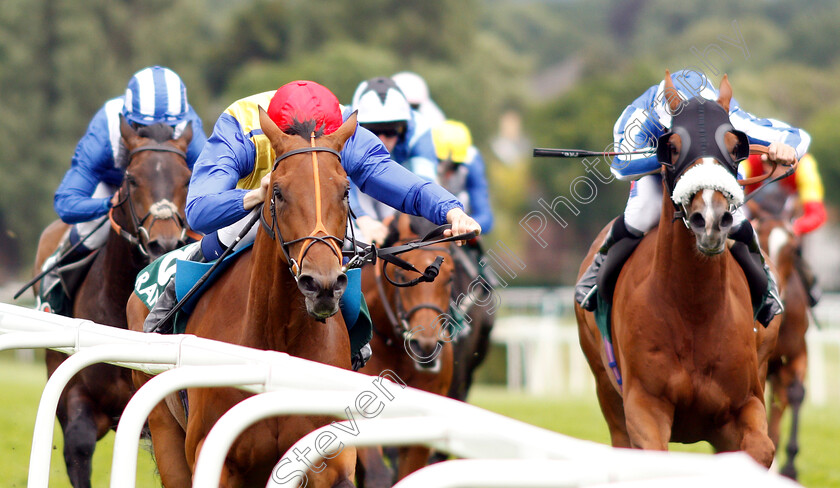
pixel 308 284
pixel 697 220
pixel 726 220
pixel 340 283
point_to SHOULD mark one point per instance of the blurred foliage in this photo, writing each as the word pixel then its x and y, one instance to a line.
pixel 59 61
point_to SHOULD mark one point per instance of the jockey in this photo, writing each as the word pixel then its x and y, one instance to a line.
pixel 154 95
pixel 383 109
pixel 417 93
pixel 461 170
pixel 232 174
pixel 638 128
pixel 807 185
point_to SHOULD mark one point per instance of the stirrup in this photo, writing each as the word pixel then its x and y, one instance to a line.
pixel 361 358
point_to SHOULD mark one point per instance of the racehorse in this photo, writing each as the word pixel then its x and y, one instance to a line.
pixel 691 358
pixel 789 360
pixel 155 187
pixel 282 294
pixel 410 333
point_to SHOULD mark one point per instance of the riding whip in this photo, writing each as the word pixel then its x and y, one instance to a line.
pixel 58 261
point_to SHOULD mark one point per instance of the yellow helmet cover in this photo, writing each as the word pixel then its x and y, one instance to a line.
pixel 452 141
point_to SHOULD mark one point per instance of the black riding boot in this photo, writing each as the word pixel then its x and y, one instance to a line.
pixel 763 289
pixel 586 289
pixel 166 301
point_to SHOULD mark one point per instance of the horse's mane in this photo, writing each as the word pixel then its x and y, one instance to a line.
pixel 304 128
pixel 418 225
pixel 159 132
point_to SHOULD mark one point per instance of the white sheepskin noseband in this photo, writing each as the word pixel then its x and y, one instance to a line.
pixel 707 175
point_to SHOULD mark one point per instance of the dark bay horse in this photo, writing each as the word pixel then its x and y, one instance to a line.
pixel 282 295
pixel 409 333
pixel 692 359
pixel 146 222
pixel 789 361
pixel 478 306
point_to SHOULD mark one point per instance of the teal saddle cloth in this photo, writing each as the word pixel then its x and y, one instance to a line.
pixel 152 280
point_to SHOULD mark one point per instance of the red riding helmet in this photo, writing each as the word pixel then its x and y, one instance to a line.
pixel 305 100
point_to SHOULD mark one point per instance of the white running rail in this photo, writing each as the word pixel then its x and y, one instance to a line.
pixel 503 452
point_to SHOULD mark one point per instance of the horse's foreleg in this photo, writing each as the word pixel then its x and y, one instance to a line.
pixel 747 432
pixel 779 380
pixel 411 459
pixel 796 395
pixel 168 443
pixel 371 471
pixel 80 434
pixel 649 419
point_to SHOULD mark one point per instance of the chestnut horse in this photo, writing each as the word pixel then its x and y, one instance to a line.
pixel 789 360
pixel 692 359
pixel 409 333
pixel 154 185
pixel 269 300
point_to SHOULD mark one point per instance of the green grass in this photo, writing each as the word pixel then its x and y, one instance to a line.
pixel 21 385
pixel 20 392
pixel 818 461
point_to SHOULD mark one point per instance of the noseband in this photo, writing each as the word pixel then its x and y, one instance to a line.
pixel 273 229
pixel 163 210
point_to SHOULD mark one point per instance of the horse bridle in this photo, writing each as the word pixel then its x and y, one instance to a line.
pixel 397 315
pixel 157 211
pixel 273 229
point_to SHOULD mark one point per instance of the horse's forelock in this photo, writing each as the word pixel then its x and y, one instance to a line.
pixel 304 128
pixel 158 132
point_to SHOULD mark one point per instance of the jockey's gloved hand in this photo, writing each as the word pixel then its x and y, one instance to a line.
pixel 461 224
pixel 373 231
pixel 780 153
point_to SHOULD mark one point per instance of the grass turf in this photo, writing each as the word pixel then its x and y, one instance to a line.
pixel 21 385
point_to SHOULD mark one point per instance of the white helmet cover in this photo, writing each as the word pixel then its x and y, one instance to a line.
pixel 413 87
pixel 380 100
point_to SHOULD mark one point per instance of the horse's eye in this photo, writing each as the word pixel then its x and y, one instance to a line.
pixel 278 195
pixel 346 193
pixel 130 179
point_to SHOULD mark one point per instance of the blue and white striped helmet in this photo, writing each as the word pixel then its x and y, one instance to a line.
pixel 155 95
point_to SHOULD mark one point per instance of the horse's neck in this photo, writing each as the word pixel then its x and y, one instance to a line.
pixel 680 267
pixel 120 262
pixel 276 315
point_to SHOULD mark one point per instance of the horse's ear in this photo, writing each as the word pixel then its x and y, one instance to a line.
pixel 127 131
pixel 277 137
pixel 671 93
pixel 347 129
pixel 186 136
pixel 725 93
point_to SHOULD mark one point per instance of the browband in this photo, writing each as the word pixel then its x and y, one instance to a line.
pixel 305 150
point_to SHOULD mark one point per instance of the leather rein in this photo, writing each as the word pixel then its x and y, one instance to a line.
pixel 156 212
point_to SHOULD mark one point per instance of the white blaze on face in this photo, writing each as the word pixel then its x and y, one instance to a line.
pixel 709 213
pixel 776 241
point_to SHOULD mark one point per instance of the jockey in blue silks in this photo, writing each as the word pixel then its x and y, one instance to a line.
pixel 154 95
pixel 383 109
pixel 232 174
pixel 638 128
pixel 461 170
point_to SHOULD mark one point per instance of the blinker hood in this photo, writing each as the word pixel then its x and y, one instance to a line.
pixel 701 125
